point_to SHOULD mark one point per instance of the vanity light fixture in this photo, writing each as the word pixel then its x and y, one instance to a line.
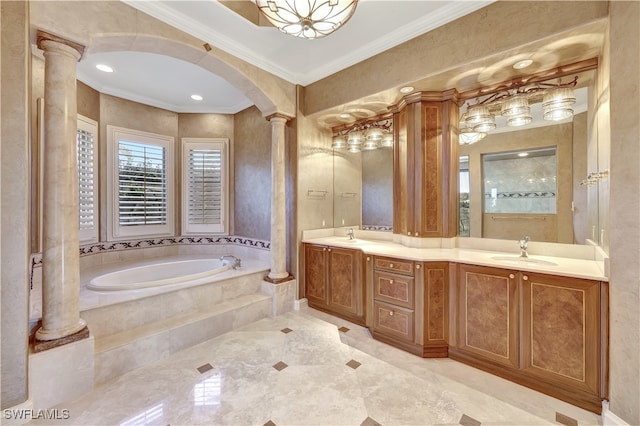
pixel 368 135
pixel 307 18
pixel 513 102
pixel 387 140
pixel 104 68
pixel 339 142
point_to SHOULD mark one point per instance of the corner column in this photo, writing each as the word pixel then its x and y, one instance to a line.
pixel 61 322
pixel 278 271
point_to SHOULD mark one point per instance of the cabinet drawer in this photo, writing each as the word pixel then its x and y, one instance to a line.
pixel 393 288
pixel 394 265
pixel 393 321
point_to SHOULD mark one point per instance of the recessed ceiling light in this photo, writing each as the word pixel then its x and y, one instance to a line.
pixel 523 154
pixel 406 89
pixel 104 68
pixel 196 97
pixel 522 64
pixel 345 115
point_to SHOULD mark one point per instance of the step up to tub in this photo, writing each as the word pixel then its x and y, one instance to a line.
pixel 118 353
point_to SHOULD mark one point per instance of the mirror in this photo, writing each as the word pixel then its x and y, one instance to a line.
pixel 529 180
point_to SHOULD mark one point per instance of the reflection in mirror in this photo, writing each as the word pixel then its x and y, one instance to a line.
pixel 363 175
pixel 505 196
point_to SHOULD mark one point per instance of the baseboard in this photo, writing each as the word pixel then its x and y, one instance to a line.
pixel 300 304
pixel 610 419
pixel 18 414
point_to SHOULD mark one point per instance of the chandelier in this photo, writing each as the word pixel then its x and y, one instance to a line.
pixel 307 18
pixel 365 136
pixel 514 104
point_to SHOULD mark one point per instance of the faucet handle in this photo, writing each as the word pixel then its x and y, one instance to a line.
pixel 523 242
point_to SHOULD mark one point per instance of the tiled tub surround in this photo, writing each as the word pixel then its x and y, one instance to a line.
pixel 135 327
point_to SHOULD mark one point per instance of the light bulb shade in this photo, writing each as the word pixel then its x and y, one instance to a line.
pixel 354 148
pixel 369 145
pixel 339 142
pixel 355 138
pixel 307 18
pixel 484 127
pixel 478 114
pixel 374 134
pixel 519 120
pixel 387 140
pixel 557 102
pixel 517 104
pixel 468 136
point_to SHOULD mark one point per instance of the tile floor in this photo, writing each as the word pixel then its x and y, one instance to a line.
pixel 309 368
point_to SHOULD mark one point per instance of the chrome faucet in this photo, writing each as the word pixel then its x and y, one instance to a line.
pixel 350 233
pixel 523 246
pixel 236 261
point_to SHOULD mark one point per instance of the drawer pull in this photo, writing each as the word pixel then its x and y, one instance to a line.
pixel 368 259
pixel 416 234
pixel 329 249
pixel 417 266
pixel 512 276
pixel 324 249
pixel 525 277
pixel 390 313
pixel 409 233
pixel 390 281
pixel 391 265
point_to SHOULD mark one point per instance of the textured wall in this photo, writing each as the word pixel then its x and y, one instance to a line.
pixel 15 214
pixel 624 379
pixel 252 165
pixel 377 187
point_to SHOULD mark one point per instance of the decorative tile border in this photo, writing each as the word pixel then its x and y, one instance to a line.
pixel 534 194
pixel 377 228
pixel 110 246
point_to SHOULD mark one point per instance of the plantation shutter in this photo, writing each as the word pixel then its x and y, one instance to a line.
pixel 142 184
pixel 86 152
pixel 204 187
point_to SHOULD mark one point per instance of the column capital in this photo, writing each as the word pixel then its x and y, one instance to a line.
pixel 43 36
pixel 278 115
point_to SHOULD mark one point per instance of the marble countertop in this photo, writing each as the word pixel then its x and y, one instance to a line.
pixel 569 267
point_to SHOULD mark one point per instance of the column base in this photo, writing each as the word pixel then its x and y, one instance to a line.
pixel 279 280
pixel 42 345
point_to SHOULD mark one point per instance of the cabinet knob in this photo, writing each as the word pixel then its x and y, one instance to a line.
pixel 512 276
pixel 368 259
pixel 417 266
pixel 390 313
pixel 390 281
pixel 328 249
pixel 324 249
pixel 525 277
pixel 409 233
pixel 416 234
pixel 391 265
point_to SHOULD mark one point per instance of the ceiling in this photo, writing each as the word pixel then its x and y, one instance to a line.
pixel 376 25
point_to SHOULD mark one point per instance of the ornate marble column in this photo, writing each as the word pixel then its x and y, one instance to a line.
pixel 61 322
pixel 278 271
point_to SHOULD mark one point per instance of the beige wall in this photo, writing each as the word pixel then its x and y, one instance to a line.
pixel 624 378
pixel 252 166
pixel 14 198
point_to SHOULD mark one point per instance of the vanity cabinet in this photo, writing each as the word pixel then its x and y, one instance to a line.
pixel 426 165
pixel 409 304
pixel 334 282
pixel 543 331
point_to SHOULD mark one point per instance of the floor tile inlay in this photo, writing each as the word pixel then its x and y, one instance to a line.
pixel 469 421
pixel 353 364
pixel 286 330
pixel 369 422
pixel 566 420
pixel 269 423
pixel 344 329
pixel 280 366
pixel 204 368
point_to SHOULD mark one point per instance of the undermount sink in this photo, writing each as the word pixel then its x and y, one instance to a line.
pixel 518 259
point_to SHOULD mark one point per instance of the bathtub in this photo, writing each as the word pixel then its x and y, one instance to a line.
pixel 158 274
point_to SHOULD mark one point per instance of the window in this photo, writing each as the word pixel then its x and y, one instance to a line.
pixel 86 152
pixel 140 183
pixel 204 182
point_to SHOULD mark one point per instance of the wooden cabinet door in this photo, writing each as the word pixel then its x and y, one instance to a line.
pixel 435 277
pixel 561 330
pixel 315 275
pixel 345 281
pixel 488 314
